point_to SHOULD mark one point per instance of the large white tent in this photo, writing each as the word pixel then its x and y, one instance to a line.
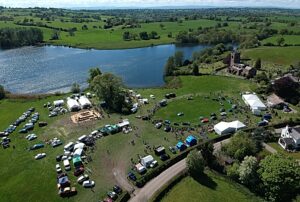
pixel 84 102
pixel 255 104
pixel 228 127
pixel 73 105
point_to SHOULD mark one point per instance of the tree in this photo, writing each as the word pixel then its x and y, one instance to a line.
pixel 240 145
pixel 195 163
pixel 109 88
pixel 2 92
pixel 169 67
pixel 232 171
pixel 144 35
pixel 178 58
pixel 195 69
pixel 257 64
pixel 126 36
pixel 75 88
pixel 207 153
pixel 280 41
pixel 247 171
pixel 55 35
pixel 280 176
pixel 93 72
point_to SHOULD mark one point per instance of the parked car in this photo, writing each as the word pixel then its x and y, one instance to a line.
pixel 58 168
pixel 68 192
pixel 158 125
pixel 180 114
pixel 131 176
pixel 113 195
pixel 40 156
pixel 56 143
pixel 31 137
pixel 67 165
pixel 58 158
pixel 36 146
pixel 172 149
pixel 167 129
pixel 164 157
pixel 23 130
pixel 78 171
pixel 153 164
pixel 117 189
pixel 42 124
pixel 82 178
pixel 88 184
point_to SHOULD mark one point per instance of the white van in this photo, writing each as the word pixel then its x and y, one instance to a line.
pixel 67 165
pixel 69 146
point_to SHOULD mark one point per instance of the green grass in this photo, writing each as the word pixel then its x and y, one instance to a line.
pixel 213 188
pixel 288 39
pixel 192 109
pixel 280 150
pixel 275 55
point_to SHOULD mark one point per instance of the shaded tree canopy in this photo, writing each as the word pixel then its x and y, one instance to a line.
pixel 195 163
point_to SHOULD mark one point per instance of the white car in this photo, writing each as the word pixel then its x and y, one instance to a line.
pixel 82 178
pixel 88 184
pixel 153 164
pixel 58 168
pixel 40 156
pixel 31 137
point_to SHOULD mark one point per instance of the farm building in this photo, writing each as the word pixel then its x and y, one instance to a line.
pixel 223 128
pixel 147 160
pixel 255 104
pixel 180 146
pixel 191 140
pixel 58 103
pixel 84 102
pixel 73 105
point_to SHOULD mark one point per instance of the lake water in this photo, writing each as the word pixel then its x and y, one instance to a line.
pixel 54 68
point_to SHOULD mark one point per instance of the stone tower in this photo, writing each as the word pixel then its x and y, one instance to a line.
pixel 235 58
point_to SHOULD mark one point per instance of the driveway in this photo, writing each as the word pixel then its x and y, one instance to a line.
pixel 145 193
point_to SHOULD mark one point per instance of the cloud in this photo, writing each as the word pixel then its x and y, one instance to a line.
pixel 145 3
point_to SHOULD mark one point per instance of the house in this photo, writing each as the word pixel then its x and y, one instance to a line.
pixel 237 68
pixel 73 105
pixel 180 146
pixel 290 138
pixel 223 128
pixel 191 141
pixel 255 104
pixel 147 160
pixel 274 101
pixel 84 102
pixel 58 103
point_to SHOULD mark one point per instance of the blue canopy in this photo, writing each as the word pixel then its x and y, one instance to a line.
pixel 191 140
pixel 180 145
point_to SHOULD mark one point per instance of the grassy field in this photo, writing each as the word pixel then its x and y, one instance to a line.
pixel 211 188
pixel 112 155
pixel 288 39
pixel 284 56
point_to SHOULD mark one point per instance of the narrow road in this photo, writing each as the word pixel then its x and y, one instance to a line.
pixel 145 193
pixel 269 148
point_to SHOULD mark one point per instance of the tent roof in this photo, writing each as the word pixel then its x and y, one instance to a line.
pixel 148 158
pixel 237 124
pixel 190 138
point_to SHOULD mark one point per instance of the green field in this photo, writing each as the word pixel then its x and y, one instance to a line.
pixel 288 39
pixel 276 55
pixel 211 188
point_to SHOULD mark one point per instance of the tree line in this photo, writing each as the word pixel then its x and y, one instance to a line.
pixel 17 37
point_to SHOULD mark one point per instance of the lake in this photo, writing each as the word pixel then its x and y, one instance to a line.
pixel 49 69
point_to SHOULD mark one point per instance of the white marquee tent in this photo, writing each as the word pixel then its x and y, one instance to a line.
pixel 228 127
pixel 84 102
pixel 255 104
pixel 73 105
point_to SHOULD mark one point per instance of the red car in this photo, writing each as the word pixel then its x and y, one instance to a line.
pixel 205 120
pixel 78 171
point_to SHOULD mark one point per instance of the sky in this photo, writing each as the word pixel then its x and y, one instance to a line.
pixel 149 3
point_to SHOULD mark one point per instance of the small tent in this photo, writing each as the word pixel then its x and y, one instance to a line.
pixel 191 140
pixel 228 127
pixel 147 160
pixel 84 102
pixel 73 105
pixel 180 146
pixel 58 103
